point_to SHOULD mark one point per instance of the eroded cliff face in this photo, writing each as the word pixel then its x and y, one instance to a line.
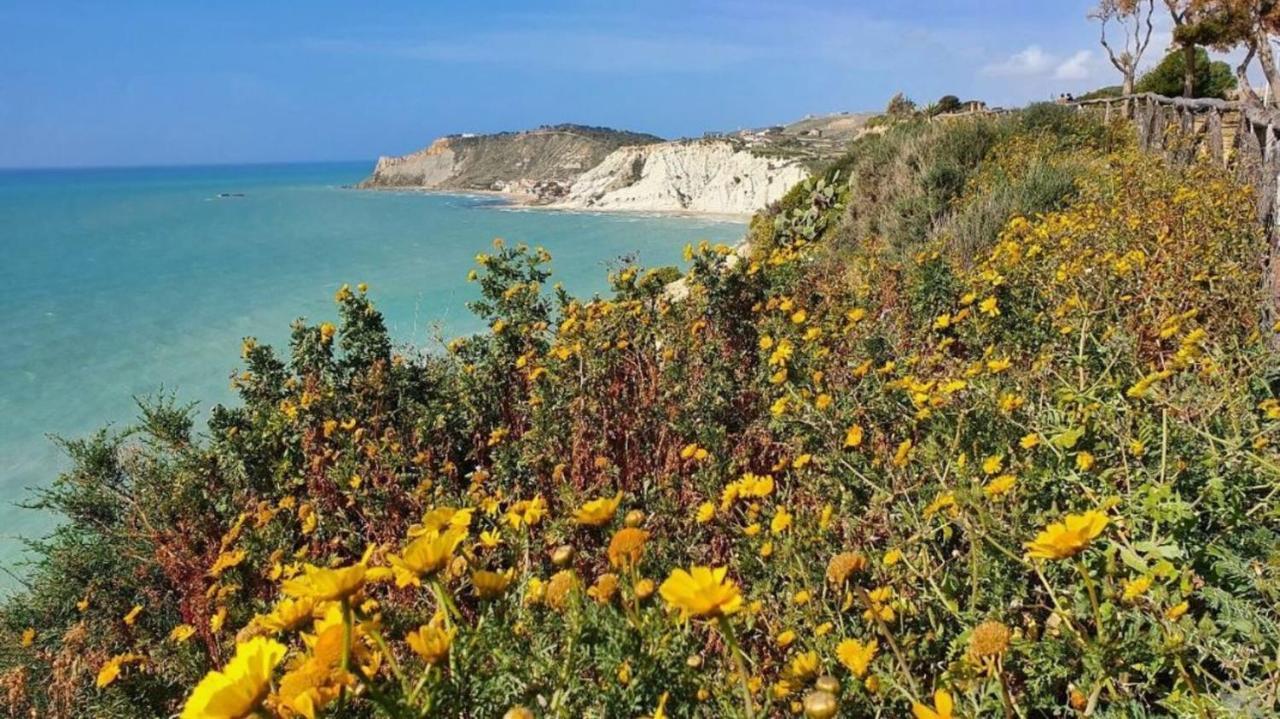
pixel 706 176
pixel 579 167
pixel 542 162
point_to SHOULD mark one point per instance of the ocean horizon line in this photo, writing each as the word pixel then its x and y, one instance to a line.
pixel 15 169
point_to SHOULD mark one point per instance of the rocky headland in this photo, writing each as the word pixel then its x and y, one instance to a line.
pixel 575 167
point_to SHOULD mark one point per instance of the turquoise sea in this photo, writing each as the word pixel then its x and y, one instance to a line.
pixel 117 283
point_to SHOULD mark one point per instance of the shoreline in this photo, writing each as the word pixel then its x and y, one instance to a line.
pixel 515 201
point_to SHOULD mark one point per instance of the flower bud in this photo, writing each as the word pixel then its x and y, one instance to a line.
pixel 820 704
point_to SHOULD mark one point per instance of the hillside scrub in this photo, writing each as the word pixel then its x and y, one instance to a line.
pixel 984 425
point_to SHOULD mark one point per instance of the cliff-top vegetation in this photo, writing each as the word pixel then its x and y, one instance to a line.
pixel 983 425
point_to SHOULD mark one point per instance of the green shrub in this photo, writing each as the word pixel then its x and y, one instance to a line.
pixel 1212 78
pixel 984 414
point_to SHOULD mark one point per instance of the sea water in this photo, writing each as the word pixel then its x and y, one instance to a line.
pixel 121 283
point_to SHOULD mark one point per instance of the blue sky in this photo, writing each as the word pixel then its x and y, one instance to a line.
pixel 138 83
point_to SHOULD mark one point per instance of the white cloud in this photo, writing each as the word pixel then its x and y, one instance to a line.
pixel 1076 67
pixel 1031 61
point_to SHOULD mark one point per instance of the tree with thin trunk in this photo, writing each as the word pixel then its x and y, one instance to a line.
pixel 1183 13
pixel 1134 19
pixel 1248 24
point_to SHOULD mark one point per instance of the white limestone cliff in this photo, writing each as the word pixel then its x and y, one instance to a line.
pixel 704 176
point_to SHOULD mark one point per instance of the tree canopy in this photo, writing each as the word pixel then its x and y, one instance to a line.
pixel 1213 78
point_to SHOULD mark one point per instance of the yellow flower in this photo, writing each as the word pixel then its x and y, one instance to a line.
pixel 996 366
pixel 784 638
pixel 1135 588
pixel 28 636
pixel 216 621
pixel 803 666
pixel 431 641
pixel 238 690
pixel 990 307
pixel 857 656
pixel 181 633
pixel 853 437
pixel 844 564
pixel 491 584
pixel 903 454
pixel 1175 612
pixel 1068 537
pixel 1000 486
pixel 946 500
pixel 989 639
pixel 661 711
pixel 526 512
pixel 626 547
pixel 132 616
pixel 326 584
pixel 560 588
pixel 425 555
pixel 701 592
pixel 110 670
pixel 942 707
pixel 643 589
pixel 1084 461
pixel 605 587
pixel 440 519
pixel 534 590
pixel 597 512
pixel 108 673
pixel 288 614
pixel 706 511
pixel 879 608
pixel 779 407
pixel 1029 441
pixel 781 521
pixel 490 538
pixel 892 557
pixel 993 464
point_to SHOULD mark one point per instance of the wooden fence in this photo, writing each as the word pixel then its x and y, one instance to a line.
pixel 1242 137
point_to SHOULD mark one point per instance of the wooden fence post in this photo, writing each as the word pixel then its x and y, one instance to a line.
pixel 1216 151
pixel 1252 154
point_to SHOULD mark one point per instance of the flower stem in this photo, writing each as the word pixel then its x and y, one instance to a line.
pixel 346 649
pixel 1093 600
pixel 727 630
pixel 888 635
pixel 442 596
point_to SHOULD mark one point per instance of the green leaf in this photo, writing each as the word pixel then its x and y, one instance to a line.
pixel 1068 439
pixel 1133 561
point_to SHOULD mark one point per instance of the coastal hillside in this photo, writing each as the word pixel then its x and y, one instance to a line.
pixel 576 167
pixel 981 421
pixel 541 162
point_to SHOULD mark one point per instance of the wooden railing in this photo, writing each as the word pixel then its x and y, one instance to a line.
pixel 1242 137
